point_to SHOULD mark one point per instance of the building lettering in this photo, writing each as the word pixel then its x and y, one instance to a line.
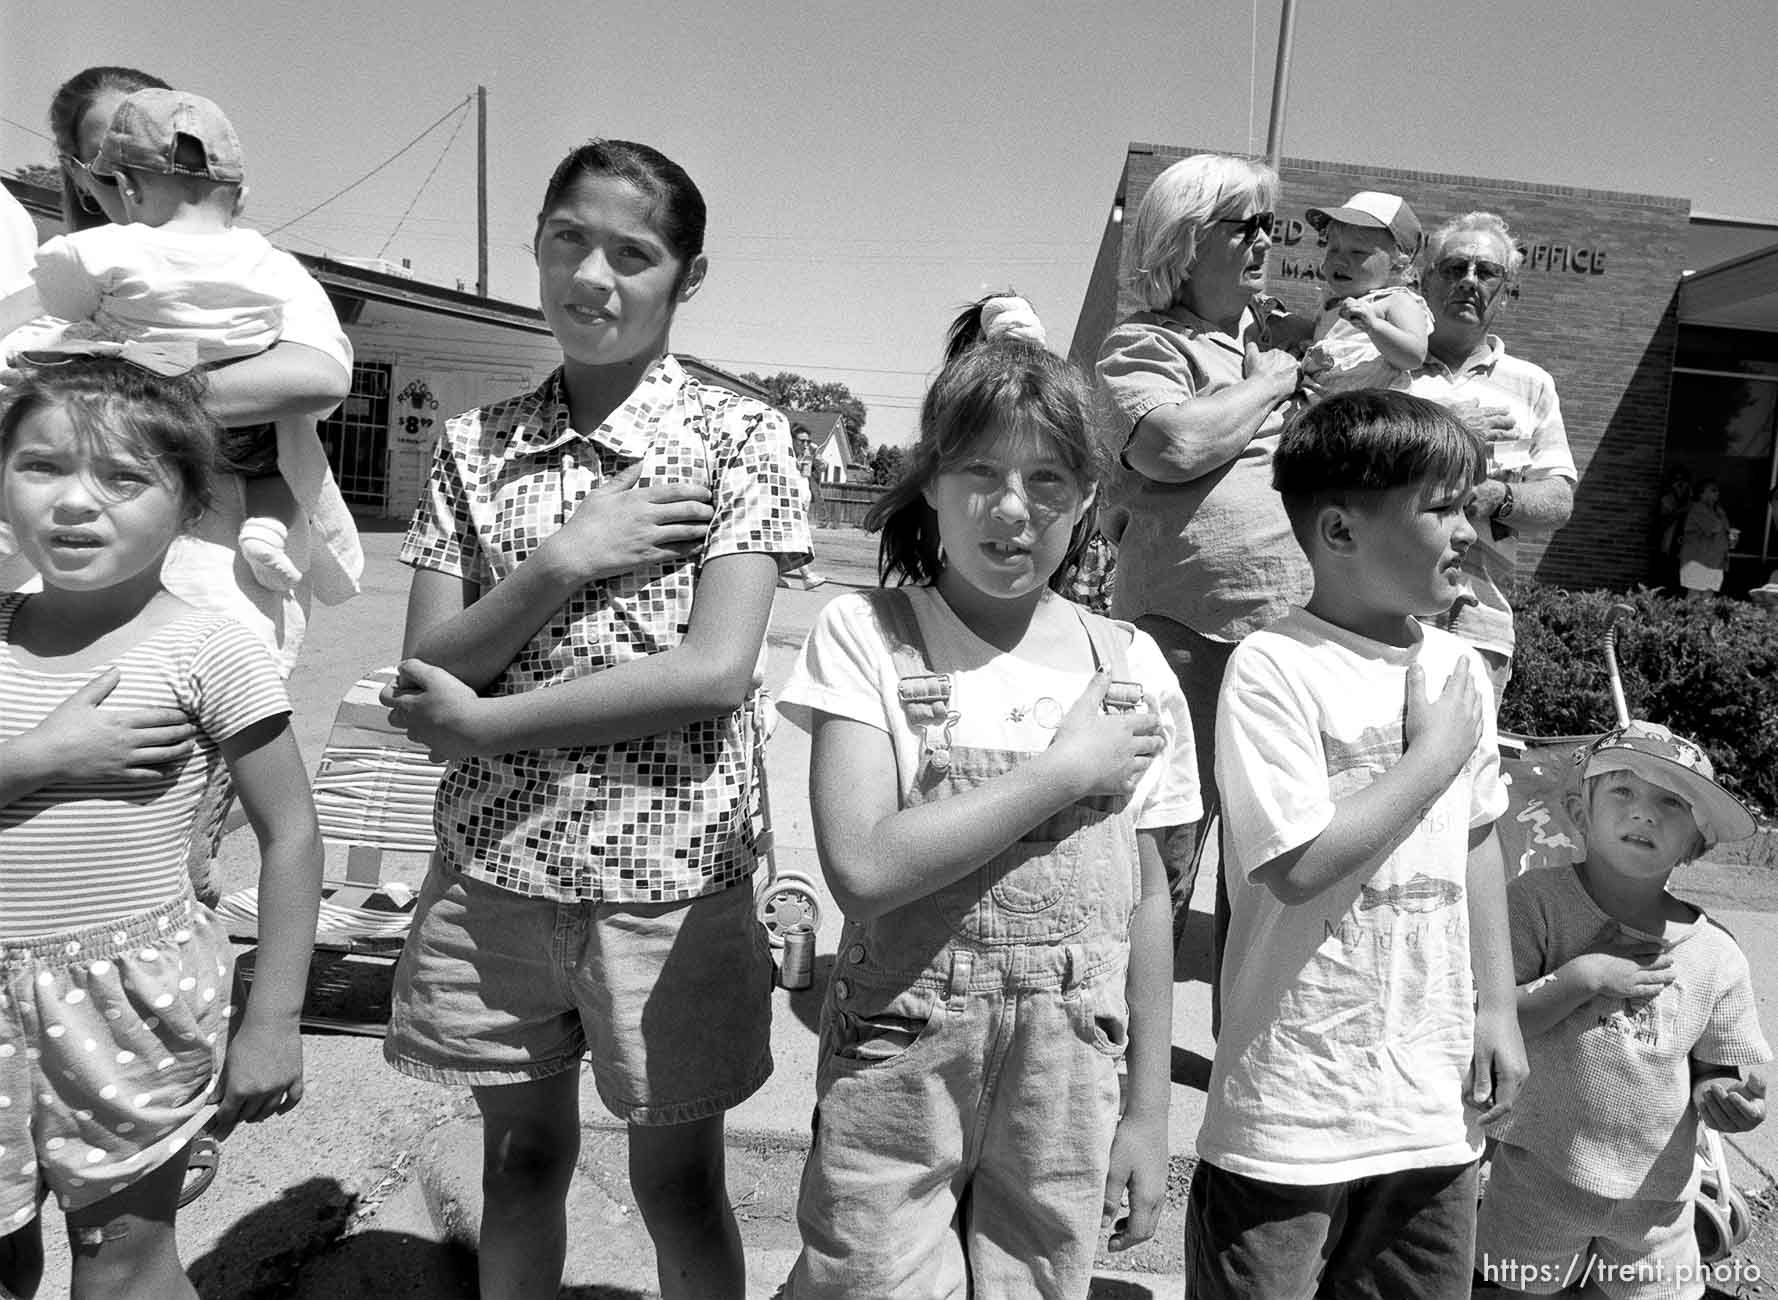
pixel 1563 257
pixel 1290 233
pixel 1573 258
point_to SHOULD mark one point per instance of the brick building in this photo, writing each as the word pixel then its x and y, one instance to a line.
pixel 1655 364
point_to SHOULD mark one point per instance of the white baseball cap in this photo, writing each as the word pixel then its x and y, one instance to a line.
pixel 1378 210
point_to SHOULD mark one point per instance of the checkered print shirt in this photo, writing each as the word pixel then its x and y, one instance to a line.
pixel 655 819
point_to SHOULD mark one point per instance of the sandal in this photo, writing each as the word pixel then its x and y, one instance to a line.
pixel 200 1168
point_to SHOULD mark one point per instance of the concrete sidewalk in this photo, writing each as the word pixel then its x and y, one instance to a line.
pixel 370 1187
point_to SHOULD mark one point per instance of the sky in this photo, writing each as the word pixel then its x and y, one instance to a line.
pixel 870 168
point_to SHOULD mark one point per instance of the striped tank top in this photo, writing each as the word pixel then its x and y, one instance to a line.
pixel 81 853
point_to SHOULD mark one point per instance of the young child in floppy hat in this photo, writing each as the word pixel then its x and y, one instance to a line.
pixel 1638 1016
pixel 1372 328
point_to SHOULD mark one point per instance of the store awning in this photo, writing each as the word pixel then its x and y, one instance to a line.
pixel 1741 293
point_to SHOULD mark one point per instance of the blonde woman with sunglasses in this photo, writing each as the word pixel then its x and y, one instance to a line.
pixel 1199 395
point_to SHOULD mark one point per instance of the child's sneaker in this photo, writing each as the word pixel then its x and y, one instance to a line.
pixel 262 546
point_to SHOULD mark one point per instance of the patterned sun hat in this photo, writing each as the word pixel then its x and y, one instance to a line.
pixel 1674 763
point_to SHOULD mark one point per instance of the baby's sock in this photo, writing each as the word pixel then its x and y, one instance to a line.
pixel 262 540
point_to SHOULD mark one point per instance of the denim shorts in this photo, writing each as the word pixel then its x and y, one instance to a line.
pixel 671 1002
pixel 111 1042
pixel 1539 1233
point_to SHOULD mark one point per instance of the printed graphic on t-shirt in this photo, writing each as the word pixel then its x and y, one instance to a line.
pixel 1373 750
pixel 1419 893
pixel 1408 915
pixel 1638 1020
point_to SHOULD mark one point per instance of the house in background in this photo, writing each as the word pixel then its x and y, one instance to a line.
pixel 422 353
pixel 828 456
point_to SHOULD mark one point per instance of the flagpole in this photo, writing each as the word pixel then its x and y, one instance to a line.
pixel 1280 85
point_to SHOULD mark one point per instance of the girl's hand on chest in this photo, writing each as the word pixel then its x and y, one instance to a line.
pixel 94 743
pixel 620 526
pixel 1103 753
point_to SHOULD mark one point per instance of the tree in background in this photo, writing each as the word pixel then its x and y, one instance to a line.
pixel 888 463
pixel 800 393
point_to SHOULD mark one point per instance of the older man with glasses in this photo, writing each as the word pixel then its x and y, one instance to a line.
pixel 1469 264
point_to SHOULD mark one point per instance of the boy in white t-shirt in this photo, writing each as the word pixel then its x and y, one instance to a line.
pixel 182 281
pixel 1368 1025
pixel 1639 1018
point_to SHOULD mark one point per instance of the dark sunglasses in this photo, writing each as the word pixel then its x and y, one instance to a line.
pixel 86 170
pixel 1253 226
pixel 1458 269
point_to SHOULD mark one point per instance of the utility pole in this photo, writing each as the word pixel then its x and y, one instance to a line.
pixel 1281 85
pixel 481 189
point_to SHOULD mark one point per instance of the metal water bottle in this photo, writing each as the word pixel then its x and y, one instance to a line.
pixel 796 969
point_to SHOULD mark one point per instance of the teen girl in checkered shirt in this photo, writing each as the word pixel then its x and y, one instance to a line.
pixel 594 568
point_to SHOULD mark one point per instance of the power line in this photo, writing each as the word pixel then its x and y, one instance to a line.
pixel 815 365
pixel 895 241
pixel 888 258
pixel 722 243
pixel 310 239
pixel 343 214
pixel 455 108
pixel 456 131
pixel 28 130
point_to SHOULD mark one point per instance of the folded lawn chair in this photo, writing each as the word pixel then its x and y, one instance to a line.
pixel 373 795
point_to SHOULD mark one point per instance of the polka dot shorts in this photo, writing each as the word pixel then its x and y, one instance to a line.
pixel 111 1040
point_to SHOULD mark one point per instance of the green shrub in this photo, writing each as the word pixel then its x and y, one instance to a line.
pixel 1709 671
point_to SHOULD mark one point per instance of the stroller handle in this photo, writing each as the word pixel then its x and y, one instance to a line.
pixel 1608 642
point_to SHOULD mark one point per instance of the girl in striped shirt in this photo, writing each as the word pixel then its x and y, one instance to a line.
pixel 117 702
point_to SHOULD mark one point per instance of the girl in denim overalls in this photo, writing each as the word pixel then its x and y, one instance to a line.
pixel 992 771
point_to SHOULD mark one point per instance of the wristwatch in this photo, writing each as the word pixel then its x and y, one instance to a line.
pixel 1505 509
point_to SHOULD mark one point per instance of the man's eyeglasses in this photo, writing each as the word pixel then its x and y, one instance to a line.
pixel 1252 226
pixel 85 170
pixel 1458 269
